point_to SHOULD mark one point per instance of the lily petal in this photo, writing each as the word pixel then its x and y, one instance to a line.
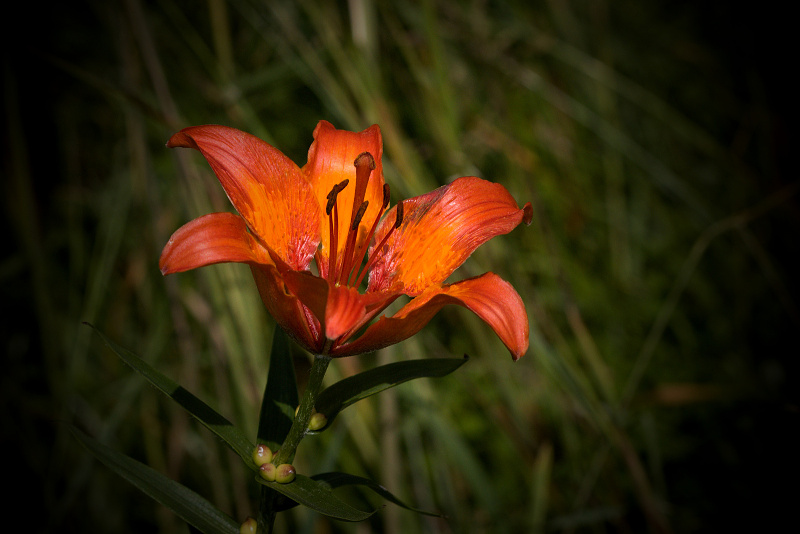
pixel 440 230
pixel 286 308
pixel 339 309
pixel 255 175
pixel 330 161
pixel 490 297
pixel 213 238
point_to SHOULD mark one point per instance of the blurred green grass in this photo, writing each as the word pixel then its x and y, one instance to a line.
pixel 659 273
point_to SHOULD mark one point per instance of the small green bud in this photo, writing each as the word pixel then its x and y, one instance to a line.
pixel 285 473
pixel 249 526
pixel 268 472
pixel 262 455
pixel 317 421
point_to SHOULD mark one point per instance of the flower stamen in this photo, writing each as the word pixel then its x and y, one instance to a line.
pixel 365 243
pixel 343 270
pixel 364 165
pixel 349 257
pixel 376 251
pixel 333 224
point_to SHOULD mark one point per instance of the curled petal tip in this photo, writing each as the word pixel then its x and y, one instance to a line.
pixel 162 264
pixel 527 214
pixel 182 140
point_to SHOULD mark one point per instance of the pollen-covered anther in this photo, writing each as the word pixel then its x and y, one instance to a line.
pixel 359 215
pixel 333 223
pixel 334 192
pixel 399 220
pixel 386 196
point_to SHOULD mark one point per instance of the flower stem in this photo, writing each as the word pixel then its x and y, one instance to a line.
pixel 300 425
pixel 267 515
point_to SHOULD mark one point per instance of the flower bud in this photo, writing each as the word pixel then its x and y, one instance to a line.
pixel 268 472
pixel 249 526
pixel 317 421
pixel 262 455
pixel 285 473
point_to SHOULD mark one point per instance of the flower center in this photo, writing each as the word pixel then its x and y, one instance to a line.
pixel 347 270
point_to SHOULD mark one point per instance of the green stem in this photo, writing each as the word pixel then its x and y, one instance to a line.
pixel 266 510
pixel 300 425
pixel 297 432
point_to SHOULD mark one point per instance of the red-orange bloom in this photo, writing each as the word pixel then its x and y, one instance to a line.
pixel 334 211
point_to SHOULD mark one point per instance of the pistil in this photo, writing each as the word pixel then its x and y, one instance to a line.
pixel 364 165
pixel 347 268
pixel 348 260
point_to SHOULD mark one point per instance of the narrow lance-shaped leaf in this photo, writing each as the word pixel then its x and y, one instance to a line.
pixel 335 480
pixel 317 496
pixel 352 389
pixel 338 480
pixel 211 419
pixel 190 506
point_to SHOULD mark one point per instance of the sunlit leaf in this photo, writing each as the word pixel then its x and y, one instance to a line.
pixel 352 389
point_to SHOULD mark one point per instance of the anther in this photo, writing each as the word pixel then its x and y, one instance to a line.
pixel 399 219
pixel 333 194
pixel 377 249
pixel 333 222
pixel 386 196
pixel 359 215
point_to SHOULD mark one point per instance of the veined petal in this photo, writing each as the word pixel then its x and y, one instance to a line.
pixel 440 230
pixel 213 238
pixel 490 297
pixel 330 161
pixel 267 189
pixel 339 309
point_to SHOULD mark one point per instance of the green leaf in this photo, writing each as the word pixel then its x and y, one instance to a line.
pixel 335 480
pixel 280 394
pixel 212 420
pixel 317 496
pixel 342 394
pixel 190 506
pixel 338 480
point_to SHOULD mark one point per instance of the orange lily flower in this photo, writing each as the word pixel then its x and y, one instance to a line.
pixel 334 211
